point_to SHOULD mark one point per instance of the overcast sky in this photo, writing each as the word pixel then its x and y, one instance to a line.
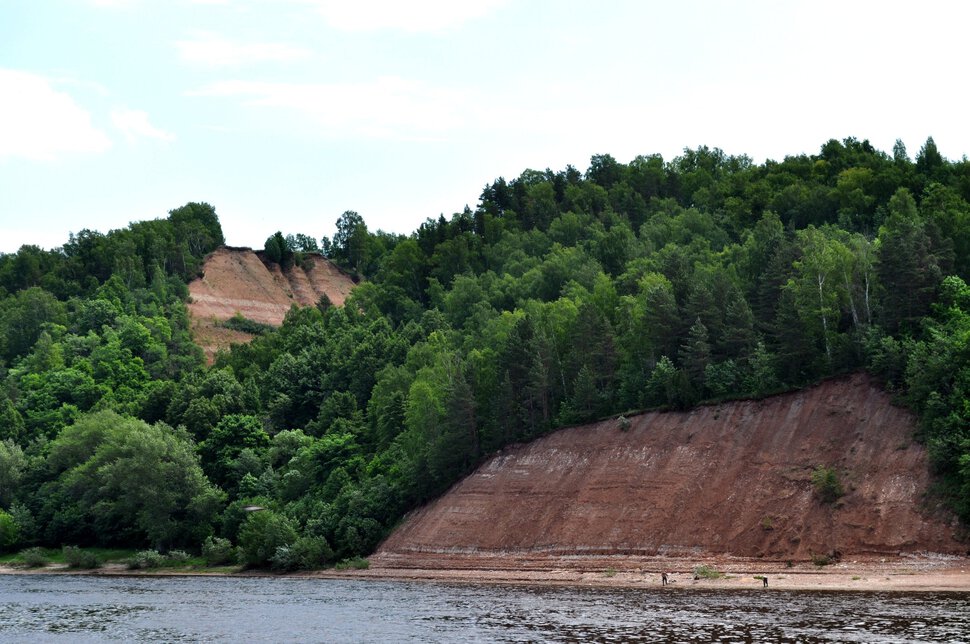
pixel 284 114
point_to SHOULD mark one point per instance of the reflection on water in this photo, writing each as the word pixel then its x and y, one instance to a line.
pixel 64 608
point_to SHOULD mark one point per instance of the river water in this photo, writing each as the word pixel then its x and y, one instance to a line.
pixel 71 608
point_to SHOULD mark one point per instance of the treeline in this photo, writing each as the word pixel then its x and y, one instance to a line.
pixel 561 298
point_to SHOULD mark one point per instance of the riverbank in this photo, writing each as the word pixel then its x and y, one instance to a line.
pixel 928 572
pixel 857 578
pixel 918 573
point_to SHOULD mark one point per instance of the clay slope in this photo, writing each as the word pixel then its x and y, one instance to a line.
pixel 730 479
pixel 236 280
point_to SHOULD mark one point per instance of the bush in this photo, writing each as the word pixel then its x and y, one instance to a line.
pixel 356 563
pixel 78 558
pixel 828 488
pixel 306 553
pixel 624 423
pixel 177 558
pixel 707 572
pixel 821 560
pixel 219 552
pixel 9 532
pixel 26 524
pixel 240 323
pixel 34 557
pixel 146 559
pixel 260 536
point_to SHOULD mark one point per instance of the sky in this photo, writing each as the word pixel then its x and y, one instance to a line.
pixel 284 114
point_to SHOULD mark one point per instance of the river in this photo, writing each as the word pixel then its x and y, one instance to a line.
pixel 74 608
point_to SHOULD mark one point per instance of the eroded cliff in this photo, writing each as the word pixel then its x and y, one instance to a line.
pixel 731 479
pixel 237 280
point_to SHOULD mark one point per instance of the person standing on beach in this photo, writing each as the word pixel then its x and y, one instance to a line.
pixel 764 578
pixel 663 579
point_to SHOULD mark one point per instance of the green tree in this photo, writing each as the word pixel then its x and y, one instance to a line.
pixel 815 284
pixel 9 533
pixel 12 467
pixel 23 317
pixel 907 266
pixel 350 242
pixel 232 434
pixel 133 482
pixel 262 534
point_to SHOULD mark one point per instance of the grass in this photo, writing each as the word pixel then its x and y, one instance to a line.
pixel 707 572
pixel 356 563
pixel 821 560
pixel 56 555
pixel 610 572
pixel 827 485
pixel 36 557
pixel 29 557
pixel 240 323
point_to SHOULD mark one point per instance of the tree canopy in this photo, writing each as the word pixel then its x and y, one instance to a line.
pixel 563 297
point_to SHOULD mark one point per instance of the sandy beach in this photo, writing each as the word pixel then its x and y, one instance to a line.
pixel 917 573
pixel 931 573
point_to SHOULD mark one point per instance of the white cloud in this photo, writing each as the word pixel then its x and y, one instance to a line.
pixel 215 51
pixel 40 123
pixel 388 107
pixel 412 16
pixel 134 124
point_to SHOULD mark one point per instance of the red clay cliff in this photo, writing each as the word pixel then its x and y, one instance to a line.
pixel 732 479
pixel 238 280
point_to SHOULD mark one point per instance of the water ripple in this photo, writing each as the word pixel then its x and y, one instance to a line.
pixel 196 609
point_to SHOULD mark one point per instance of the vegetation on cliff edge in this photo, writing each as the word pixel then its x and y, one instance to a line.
pixel 563 297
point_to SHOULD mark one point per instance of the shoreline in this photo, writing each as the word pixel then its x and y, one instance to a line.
pixel 910 574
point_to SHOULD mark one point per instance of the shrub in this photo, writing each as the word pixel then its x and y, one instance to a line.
pixel 261 534
pixel 240 323
pixel 25 522
pixel 9 532
pixel 707 572
pixel 146 559
pixel 821 560
pixel 356 563
pixel 624 423
pixel 177 558
pixel 306 553
pixel 767 523
pixel 284 559
pixel 219 552
pixel 828 488
pixel 34 557
pixel 78 558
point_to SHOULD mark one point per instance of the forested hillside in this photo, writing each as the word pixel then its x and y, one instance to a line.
pixel 562 297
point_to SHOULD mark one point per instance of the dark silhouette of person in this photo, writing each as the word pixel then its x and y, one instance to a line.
pixel 764 579
pixel 663 578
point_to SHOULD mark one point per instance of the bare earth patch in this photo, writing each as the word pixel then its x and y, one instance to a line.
pixel 917 573
pixel 728 484
pixel 238 281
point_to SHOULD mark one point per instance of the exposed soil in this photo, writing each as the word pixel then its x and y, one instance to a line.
pixel 908 573
pixel 728 484
pixel 238 280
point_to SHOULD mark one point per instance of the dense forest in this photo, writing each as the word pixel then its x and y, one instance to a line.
pixel 563 297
